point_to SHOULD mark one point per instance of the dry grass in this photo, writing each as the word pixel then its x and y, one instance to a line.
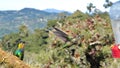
pixel 7 60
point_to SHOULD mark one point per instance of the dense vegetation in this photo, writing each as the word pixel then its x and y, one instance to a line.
pixel 50 51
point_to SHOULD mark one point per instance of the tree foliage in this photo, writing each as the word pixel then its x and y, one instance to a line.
pixel 23 31
pixel 90 7
pixel 107 4
pixel 51 23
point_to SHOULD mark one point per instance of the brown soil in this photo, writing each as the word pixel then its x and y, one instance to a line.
pixel 11 61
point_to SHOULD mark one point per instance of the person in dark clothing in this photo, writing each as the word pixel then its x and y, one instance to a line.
pixel 94 55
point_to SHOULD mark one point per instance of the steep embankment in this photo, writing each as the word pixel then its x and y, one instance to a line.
pixel 7 60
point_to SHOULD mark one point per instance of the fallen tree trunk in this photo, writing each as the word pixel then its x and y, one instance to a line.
pixel 11 61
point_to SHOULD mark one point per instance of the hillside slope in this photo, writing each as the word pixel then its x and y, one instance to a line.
pixel 76 41
pixel 33 18
pixel 7 60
